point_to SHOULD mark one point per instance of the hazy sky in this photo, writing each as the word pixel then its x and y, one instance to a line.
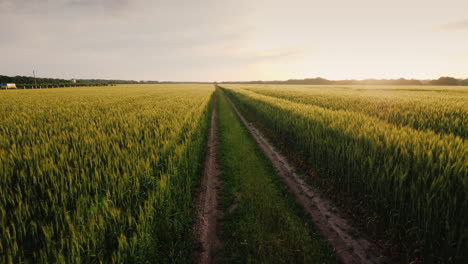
pixel 207 40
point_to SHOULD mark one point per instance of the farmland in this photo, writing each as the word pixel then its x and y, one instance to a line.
pixel 399 153
pixel 439 109
pixel 100 175
pixel 112 174
pixel 264 224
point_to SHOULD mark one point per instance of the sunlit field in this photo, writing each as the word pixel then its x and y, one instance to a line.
pixel 441 109
pixel 100 174
pixel 400 153
pixel 113 174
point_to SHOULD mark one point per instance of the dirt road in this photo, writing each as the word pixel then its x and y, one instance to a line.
pixel 208 214
pixel 349 245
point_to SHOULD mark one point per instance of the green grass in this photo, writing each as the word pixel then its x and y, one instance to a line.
pixel 267 225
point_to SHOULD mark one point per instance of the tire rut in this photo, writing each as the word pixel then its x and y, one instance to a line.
pixel 208 214
pixel 349 244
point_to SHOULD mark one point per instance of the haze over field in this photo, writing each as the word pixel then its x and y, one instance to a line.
pixel 234 40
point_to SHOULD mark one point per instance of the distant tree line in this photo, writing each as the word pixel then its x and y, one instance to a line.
pixel 130 81
pixel 102 81
pixel 448 81
pixel 56 85
pixel 26 80
pixel 30 80
pixel 401 81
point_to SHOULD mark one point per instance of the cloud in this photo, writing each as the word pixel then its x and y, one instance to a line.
pixel 458 25
pixel 277 55
pixel 112 4
pixel 28 6
pixel 237 39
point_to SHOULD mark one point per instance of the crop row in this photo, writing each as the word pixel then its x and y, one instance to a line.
pixel 415 181
pixel 440 109
pixel 100 175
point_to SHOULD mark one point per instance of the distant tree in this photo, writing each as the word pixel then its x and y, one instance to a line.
pixel 463 82
pixel 444 81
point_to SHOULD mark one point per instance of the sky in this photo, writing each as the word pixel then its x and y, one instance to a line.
pixel 224 40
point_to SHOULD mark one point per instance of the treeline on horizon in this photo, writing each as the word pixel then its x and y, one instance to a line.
pixel 27 80
pixel 320 81
pixel 31 80
pixel 401 81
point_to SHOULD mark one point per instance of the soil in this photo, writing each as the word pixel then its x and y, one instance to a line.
pixel 349 243
pixel 208 215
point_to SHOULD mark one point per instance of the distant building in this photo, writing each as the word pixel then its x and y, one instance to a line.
pixel 7 85
pixel 73 81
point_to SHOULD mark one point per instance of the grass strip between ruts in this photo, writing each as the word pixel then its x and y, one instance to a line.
pixel 263 223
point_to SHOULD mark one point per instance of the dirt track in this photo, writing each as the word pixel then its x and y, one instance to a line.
pixel 207 225
pixel 349 245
